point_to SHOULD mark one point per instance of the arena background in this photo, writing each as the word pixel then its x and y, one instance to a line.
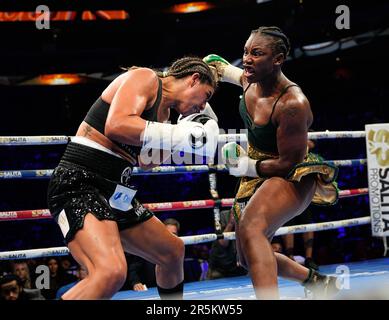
pixel 347 89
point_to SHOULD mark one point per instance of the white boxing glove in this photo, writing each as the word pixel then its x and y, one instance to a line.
pixel 196 135
pixel 208 111
pixel 237 161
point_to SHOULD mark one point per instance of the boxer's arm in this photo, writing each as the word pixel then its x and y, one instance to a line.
pixel 223 70
pixel 138 90
pixel 293 119
pixel 124 124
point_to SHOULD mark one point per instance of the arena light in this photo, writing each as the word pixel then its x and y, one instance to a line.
pixel 17 16
pixel 60 79
pixel 55 79
pixel 191 7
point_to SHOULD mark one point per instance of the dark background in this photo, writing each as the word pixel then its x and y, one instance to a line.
pixel 346 88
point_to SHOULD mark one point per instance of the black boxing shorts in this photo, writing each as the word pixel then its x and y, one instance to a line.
pixel 88 180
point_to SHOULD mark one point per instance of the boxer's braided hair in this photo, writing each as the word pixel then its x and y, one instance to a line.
pixel 280 42
pixel 186 66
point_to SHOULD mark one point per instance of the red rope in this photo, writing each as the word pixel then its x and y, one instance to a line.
pixel 157 207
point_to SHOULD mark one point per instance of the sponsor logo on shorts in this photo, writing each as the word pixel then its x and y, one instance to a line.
pixel 63 223
pixel 126 176
pixel 117 195
pixel 121 198
pixel 124 197
pixel 139 210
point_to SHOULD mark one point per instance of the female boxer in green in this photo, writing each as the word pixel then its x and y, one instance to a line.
pixel 279 178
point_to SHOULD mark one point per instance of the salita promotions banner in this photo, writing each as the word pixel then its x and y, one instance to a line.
pixel 377 145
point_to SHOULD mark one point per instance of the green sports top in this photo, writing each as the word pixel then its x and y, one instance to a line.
pixel 264 137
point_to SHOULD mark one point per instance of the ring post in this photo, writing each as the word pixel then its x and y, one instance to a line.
pixel 377 150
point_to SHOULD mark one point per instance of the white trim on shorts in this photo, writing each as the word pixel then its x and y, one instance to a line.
pixel 93 144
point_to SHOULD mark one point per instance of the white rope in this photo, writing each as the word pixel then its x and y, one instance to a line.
pixel 34 253
pixel 347 163
pixel 223 138
pixel 46 173
pixel 188 240
pixel 201 238
pixel 47 140
pixel 336 134
pixel 33 140
pixel 314 227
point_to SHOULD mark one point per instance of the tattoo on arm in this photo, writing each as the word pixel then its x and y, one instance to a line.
pixel 87 129
pixel 291 111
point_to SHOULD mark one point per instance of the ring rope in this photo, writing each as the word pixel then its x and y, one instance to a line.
pixel 336 134
pixel 55 140
pixel 188 240
pixel 33 140
pixel 47 140
pixel 211 203
pixel 46 173
pixel 159 207
pixel 212 179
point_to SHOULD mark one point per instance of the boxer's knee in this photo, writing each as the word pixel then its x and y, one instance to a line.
pixel 111 275
pixel 174 255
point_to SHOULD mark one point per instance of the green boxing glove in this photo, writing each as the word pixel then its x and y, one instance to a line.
pixel 223 70
pixel 237 161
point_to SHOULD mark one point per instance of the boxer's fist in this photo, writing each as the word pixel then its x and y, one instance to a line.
pixel 223 70
pixel 217 65
pixel 237 161
pixel 203 134
pixel 197 134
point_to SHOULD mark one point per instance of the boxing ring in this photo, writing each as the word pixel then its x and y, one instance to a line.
pixel 365 278
pixel 367 274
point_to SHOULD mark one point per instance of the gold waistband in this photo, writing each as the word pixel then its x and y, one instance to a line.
pixel 326 192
